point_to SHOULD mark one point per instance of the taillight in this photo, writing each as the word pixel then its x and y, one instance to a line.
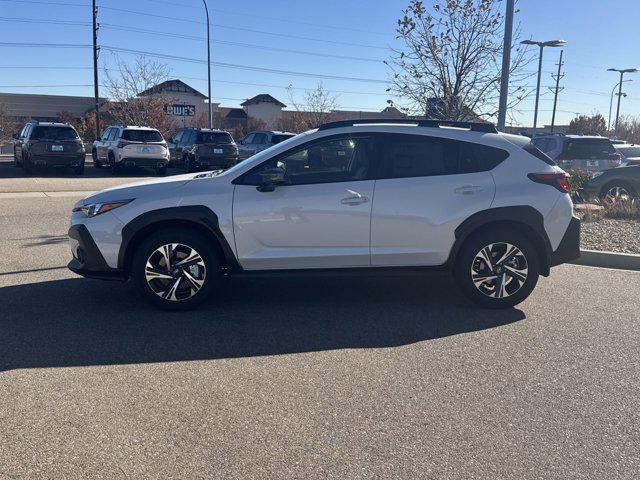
pixel 615 158
pixel 556 180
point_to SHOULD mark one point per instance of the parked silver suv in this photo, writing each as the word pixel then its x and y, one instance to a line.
pixel 131 146
pixel 579 152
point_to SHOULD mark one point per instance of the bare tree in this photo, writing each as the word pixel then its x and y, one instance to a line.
pixel 316 108
pixel 133 99
pixel 628 129
pixel 448 66
pixel 8 124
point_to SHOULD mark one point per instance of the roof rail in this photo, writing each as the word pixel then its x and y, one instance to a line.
pixel 473 126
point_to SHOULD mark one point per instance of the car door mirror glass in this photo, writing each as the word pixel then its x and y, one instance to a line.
pixel 270 178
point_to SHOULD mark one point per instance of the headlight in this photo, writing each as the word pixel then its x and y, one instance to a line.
pixel 596 174
pixel 93 209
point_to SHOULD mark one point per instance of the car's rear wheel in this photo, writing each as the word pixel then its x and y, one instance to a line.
pixel 27 166
pixel 497 269
pixel 96 163
pixel 176 270
pixel 186 161
pixel 115 168
pixel 161 171
pixel 619 190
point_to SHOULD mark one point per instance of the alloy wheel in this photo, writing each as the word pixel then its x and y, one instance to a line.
pixel 499 270
pixel 617 193
pixel 175 272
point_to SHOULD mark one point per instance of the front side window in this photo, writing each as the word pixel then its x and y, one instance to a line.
pixel 105 135
pixel 54 133
pixel 142 136
pixel 114 134
pixel 337 160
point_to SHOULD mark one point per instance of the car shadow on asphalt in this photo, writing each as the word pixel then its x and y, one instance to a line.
pixel 80 322
pixel 8 170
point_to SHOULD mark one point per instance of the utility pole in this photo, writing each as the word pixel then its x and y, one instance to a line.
pixel 506 65
pixel 96 49
pixel 206 9
pixel 557 90
pixel 621 71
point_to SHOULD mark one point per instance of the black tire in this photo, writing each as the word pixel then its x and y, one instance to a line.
pixel 514 290
pixel 96 163
pixel 186 161
pixel 79 170
pixel 212 276
pixel 161 171
pixel 115 168
pixel 621 184
pixel 27 166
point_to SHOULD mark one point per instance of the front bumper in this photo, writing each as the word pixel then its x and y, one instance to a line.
pixel 569 248
pixel 87 260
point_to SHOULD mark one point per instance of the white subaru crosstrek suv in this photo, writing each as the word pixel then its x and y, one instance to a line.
pixel 392 194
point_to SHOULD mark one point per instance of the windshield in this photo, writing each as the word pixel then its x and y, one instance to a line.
pixel 214 137
pixel 142 136
pixel 588 147
pixel 280 138
pixel 54 133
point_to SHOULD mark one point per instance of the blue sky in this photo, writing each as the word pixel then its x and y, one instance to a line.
pixel 598 37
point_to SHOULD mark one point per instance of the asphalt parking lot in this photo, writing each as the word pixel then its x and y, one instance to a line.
pixel 389 377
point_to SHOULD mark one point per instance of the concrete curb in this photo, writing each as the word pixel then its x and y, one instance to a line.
pixel 595 258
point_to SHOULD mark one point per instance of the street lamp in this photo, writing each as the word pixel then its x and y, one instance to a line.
pixel 541 45
pixel 611 102
pixel 206 9
pixel 621 71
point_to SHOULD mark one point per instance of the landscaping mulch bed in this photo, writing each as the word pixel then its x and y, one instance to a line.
pixel 622 236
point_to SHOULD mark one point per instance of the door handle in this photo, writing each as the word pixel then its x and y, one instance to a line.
pixel 356 200
pixel 468 190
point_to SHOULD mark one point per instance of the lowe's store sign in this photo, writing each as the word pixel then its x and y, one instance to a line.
pixel 180 110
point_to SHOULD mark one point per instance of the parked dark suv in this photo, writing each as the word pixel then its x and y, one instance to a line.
pixel 194 148
pixel 48 144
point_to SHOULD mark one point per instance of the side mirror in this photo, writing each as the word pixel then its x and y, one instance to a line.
pixel 15 136
pixel 269 179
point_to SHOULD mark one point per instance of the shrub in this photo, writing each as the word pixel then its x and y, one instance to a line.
pixel 622 209
pixel 576 182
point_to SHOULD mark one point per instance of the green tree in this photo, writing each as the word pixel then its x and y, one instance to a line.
pixel 588 125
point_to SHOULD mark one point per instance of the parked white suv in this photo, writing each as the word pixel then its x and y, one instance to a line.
pixel 349 195
pixel 128 146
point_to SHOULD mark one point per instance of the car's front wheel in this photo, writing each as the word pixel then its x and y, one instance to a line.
pixel 497 269
pixel 176 270
pixel 96 162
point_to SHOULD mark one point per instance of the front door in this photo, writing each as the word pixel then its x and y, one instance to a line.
pixel 318 218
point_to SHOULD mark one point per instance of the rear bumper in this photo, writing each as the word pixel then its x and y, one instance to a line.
pixel 87 260
pixel 144 162
pixel 57 160
pixel 569 248
pixel 216 161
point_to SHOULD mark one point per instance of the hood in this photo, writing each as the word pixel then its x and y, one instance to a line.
pixel 132 190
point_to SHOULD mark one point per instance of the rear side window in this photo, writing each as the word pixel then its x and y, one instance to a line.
pixel 280 138
pixel 214 137
pixel 54 133
pixel 533 150
pixel 142 136
pixel 587 147
pixel 422 156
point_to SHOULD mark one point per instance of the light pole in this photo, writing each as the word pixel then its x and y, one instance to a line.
pixel 611 102
pixel 506 64
pixel 621 71
pixel 206 9
pixel 541 45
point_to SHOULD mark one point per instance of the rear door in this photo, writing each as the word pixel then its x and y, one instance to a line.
pixel 427 186
pixel 101 146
